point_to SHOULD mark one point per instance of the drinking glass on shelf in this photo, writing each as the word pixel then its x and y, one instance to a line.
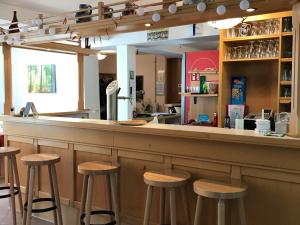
pixel 234 52
pixel 276 25
pixel 254 29
pixel 251 50
pixel 269 27
pixel 228 54
pixel 276 49
pixel 285 74
pixel 287 92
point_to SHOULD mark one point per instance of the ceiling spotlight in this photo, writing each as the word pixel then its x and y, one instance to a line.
pixel 100 56
pixel 244 5
pixel 52 31
pixel 221 10
pixel 201 6
pixel 156 17
pixel 148 24
pixel 172 8
pixel 225 24
pixel 140 11
pixel 251 10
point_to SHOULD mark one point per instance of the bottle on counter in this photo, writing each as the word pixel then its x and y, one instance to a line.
pixel 272 121
pixel 215 122
pixel 227 122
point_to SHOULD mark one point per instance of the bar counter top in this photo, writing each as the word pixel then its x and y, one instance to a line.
pixel 180 131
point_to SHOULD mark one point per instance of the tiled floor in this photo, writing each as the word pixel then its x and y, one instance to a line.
pixel 6 216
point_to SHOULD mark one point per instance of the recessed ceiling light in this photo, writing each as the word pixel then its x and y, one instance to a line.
pixel 148 25
pixel 250 10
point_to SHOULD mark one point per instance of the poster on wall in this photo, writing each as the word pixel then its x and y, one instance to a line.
pixel 160 83
pixel 42 78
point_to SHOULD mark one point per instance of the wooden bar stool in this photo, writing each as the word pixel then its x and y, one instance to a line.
pixel 33 162
pixel 222 192
pixel 170 180
pixel 89 170
pixel 13 175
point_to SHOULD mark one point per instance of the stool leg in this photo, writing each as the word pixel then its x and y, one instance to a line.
pixel 88 206
pixel 198 210
pixel 186 205
pixel 162 206
pixel 148 205
pixel 16 172
pixel 52 194
pixel 26 195
pixel 12 189
pixel 115 200
pixel 30 194
pixel 173 206
pixel 221 212
pixel 108 194
pixel 83 195
pixel 242 211
pixel 56 194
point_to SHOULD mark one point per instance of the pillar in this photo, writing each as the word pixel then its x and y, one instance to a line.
pixel 295 116
pixel 126 76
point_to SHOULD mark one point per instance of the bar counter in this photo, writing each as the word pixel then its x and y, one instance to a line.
pixel 269 166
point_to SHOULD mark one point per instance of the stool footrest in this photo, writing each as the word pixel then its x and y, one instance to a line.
pixel 17 191
pixel 44 209
pixel 98 212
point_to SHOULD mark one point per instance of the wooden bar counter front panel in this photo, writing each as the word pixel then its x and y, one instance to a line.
pixel 268 166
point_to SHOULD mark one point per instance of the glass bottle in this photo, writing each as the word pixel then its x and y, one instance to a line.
pixel 13 27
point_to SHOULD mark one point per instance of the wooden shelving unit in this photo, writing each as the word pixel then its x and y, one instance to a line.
pixel 252 38
pixel 251 59
pixel 265 83
pixel 198 95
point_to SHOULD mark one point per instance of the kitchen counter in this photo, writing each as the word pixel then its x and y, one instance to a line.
pixel 269 166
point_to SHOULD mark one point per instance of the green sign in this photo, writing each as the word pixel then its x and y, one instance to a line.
pixel 131 75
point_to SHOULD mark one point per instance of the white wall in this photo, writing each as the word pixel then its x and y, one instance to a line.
pixel 66 98
pixel 91 86
pixel 1 82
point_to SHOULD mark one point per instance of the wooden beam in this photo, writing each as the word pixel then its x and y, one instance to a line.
pixel 65 48
pixel 7 78
pixel 185 15
pixel 80 59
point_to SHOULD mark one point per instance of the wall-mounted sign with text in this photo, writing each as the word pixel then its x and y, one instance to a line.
pixel 158 35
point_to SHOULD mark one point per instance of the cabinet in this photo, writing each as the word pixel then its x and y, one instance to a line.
pixel 260 49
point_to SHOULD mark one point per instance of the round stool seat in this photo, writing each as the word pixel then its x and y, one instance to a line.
pixel 97 168
pixel 6 151
pixel 166 178
pixel 218 190
pixel 40 159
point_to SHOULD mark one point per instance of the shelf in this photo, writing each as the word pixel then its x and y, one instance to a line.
pixel 198 95
pixel 204 72
pixel 285 100
pixel 287 60
pixel 287 34
pixel 286 82
pixel 252 59
pixel 251 38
